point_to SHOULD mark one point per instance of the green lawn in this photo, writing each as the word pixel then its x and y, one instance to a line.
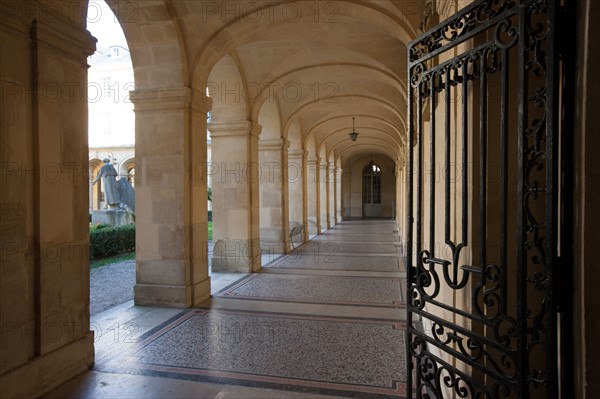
pixel 130 255
pixel 113 259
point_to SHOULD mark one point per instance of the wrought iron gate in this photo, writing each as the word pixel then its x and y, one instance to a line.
pixel 482 206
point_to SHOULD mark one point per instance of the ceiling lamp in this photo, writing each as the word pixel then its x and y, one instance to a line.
pixel 353 135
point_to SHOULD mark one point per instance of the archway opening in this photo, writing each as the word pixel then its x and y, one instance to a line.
pixel 112 167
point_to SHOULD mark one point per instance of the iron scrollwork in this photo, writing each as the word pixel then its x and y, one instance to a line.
pixel 497 333
pixel 474 17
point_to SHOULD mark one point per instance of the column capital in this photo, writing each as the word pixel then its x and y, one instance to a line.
pixel 201 102
pixel 232 129
pixel 297 153
pixel 273 144
pixel 152 100
pixel 64 33
pixel 313 159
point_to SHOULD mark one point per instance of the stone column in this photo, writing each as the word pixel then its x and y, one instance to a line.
pixel 273 199
pixel 171 215
pixel 45 336
pixel 347 193
pixel 331 193
pixel 323 196
pixel 297 196
pixel 313 189
pixel 235 174
pixel 338 195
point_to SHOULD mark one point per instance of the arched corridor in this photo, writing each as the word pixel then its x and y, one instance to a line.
pixel 372 132
pixel 328 318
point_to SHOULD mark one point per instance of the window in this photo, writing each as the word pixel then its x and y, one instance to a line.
pixel 106 87
pixel 371 184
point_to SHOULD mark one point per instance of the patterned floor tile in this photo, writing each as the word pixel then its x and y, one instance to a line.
pixel 297 260
pixel 332 247
pixel 355 291
pixel 359 238
pixel 313 354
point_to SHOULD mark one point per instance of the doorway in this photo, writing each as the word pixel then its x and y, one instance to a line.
pixel 372 191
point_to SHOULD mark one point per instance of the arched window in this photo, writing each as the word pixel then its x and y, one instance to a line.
pixel 131 174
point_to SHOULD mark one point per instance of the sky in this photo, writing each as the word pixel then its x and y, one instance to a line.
pixel 103 25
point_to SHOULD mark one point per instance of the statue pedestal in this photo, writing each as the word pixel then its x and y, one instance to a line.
pixel 113 217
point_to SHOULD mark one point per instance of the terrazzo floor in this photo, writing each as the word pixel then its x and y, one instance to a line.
pixel 305 327
pixel 345 262
pixel 351 291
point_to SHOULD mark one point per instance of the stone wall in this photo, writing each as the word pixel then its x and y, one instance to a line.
pixel 44 263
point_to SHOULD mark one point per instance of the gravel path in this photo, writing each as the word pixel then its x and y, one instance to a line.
pixel 111 285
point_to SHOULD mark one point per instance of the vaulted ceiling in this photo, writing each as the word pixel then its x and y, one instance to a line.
pixel 319 62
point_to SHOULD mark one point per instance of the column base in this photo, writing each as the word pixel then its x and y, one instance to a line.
pixel 172 296
pixel 314 228
pixel 221 264
pixel 43 374
pixel 235 256
pixel 267 248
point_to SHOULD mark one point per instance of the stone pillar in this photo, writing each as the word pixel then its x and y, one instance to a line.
pixel 313 188
pixel 401 211
pixel 235 174
pixel 297 195
pixel 44 235
pixel 331 194
pixel 171 215
pixel 323 196
pixel 347 193
pixel 338 195
pixel 273 199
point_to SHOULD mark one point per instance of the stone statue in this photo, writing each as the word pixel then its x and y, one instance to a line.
pixel 118 194
pixel 109 174
pixel 126 194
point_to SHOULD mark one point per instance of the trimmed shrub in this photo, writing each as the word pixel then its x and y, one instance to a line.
pixel 99 226
pixel 109 241
pixel 210 216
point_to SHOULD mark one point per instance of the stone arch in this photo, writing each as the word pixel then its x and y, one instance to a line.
pixel 353 196
pixel 155 41
pixel 270 121
pixel 227 90
pixel 170 269
pixel 128 169
pixel 337 120
pixel 393 114
pixel 250 27
pixel 274 82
